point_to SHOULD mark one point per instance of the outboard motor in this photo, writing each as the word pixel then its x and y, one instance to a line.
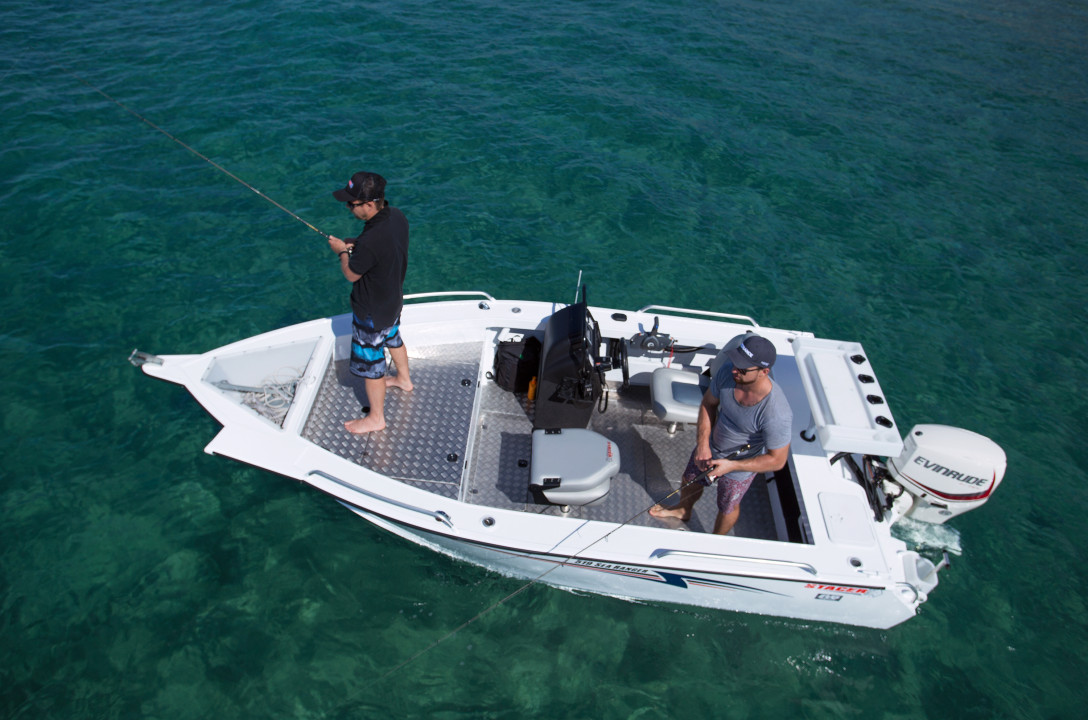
pixel 947 470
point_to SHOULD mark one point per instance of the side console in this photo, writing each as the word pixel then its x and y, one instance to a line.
pixel 568 383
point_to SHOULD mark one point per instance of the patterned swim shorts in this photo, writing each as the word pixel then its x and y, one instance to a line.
pixel 368 347
pixel 730 492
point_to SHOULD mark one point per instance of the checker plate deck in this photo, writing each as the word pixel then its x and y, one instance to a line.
pixel 432 441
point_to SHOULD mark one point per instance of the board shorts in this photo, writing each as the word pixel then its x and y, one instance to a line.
pixel 368 347
pixel 730 491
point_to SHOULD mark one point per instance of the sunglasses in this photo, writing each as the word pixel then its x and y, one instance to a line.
pixel 744 371
pixel 357 204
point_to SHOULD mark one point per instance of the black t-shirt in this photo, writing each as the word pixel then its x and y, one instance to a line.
pixel 381 257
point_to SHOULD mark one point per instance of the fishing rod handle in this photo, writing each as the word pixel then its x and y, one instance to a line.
pixel 706 473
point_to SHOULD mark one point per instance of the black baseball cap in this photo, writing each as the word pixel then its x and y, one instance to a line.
pixel 363 186
pixel 753 351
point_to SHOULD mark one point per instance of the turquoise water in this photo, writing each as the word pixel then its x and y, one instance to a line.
pixel 911 175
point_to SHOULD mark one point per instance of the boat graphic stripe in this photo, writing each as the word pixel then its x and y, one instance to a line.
pixel 674 579
pixel 949 496
pixel 666 577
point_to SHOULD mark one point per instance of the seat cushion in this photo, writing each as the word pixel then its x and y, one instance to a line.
pixel 572 466
pixel 677 394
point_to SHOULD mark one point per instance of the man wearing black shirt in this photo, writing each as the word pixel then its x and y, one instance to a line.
pixel 375 263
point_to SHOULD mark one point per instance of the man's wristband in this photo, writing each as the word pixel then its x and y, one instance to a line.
pixel 343 252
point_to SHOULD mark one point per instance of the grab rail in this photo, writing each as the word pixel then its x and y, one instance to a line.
pixel 709 313
pixel 436 514
pixel 449 293
pixel 649 308
pixel 660 553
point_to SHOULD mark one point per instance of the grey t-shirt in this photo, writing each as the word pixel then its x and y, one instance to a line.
pixel 765 425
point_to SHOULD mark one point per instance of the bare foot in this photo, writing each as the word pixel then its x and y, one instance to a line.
pixel 395 381
pixel 362 426
pixel 676 511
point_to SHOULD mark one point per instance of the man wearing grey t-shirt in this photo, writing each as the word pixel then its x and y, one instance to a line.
pixel 743 429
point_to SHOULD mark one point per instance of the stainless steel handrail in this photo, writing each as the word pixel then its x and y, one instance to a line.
pixel 449 293
pixel 708 313
pixel 661 552
pixel 436 514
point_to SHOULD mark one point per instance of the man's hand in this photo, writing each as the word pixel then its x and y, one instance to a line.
pixel 337 245
pixel 703 457
pixel 721 466
pixel 769 461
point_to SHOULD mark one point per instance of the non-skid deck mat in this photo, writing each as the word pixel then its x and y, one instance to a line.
pixel 426 434
pixel 430 440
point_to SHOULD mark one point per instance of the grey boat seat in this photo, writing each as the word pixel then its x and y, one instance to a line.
pixel 572 466
pixel 676 394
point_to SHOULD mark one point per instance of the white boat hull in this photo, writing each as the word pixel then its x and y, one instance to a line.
pixel 847 568
pixel 803 599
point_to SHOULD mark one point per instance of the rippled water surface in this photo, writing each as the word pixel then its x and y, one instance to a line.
pixel 911 175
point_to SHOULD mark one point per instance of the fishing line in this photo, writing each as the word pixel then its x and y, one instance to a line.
pixel 199 154
pixel 544 574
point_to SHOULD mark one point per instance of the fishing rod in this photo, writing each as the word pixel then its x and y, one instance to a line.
pixel 698 478
pixel 199 154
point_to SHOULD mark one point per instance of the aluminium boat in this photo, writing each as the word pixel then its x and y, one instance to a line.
pixel 539 435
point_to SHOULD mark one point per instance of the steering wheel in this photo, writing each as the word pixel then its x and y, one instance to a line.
pixel 622 352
